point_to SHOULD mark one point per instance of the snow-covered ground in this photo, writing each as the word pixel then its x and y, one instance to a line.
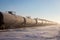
pixel 32 33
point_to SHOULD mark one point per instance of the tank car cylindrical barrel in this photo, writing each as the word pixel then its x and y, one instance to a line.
pixel 29 21
pixel 38 21
pixel 10 20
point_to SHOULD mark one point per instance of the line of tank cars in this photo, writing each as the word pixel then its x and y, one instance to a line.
pixel 10 20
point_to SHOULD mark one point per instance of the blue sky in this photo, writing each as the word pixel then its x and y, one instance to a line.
pixel 47 9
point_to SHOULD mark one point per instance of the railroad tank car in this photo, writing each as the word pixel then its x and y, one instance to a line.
pixel 29 21
pixel 45 22
pixel 10 20
pixel 41 21
pixel 38 21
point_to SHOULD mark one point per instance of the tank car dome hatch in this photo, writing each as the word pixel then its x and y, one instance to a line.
pixel 28 16
pixel 11 12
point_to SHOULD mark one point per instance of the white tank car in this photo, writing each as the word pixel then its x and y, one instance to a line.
pixel 38 21
pixel 29 21
pixel 11 20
